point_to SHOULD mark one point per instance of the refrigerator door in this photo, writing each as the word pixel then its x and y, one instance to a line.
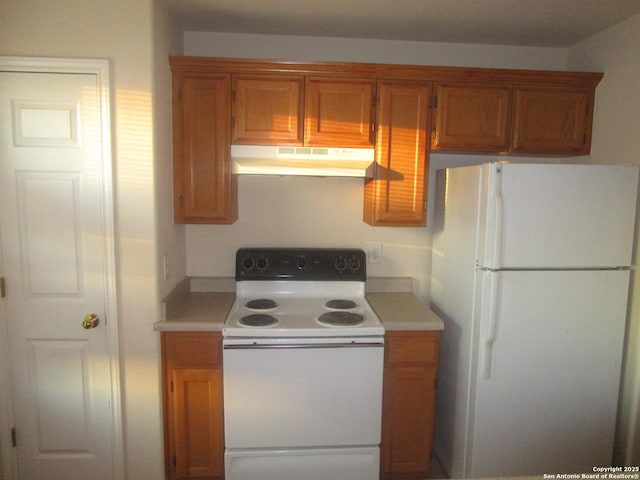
pixel 545 394
pixel 558 216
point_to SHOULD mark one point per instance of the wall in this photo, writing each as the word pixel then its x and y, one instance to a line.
pixel 289 211
pixel 170 237
pixel 616 140
pixel 121 31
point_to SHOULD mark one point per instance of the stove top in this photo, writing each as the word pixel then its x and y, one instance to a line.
pixel 294 293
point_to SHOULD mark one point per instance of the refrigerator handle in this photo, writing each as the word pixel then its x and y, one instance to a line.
pixel 496 193
pixel 492 327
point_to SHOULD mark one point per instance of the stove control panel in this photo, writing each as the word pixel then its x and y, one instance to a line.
pixel 301 264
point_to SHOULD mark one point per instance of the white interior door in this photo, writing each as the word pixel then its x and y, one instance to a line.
pixel 55 255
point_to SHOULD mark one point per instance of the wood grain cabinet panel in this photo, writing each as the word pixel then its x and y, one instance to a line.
pixel 395 194
pixel 267 110
pixel 339 112
pixel 471 117
pixel 205 191
pixel 408 403
pixel 359 105
pixel 193 405
pixel 552 120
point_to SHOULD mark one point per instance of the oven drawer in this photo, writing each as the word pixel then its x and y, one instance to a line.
pixel 326 395
pixel 353 463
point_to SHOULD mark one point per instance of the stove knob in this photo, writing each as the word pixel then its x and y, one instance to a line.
pixel 262 264
pixel 248 263
pixel 302 263
pixel 354 264
pixel 340 264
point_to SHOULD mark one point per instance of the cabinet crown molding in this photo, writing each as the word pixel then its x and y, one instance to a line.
pixel 186 64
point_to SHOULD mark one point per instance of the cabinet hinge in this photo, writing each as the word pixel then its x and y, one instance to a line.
pixel 171 386
pixel 584 139
pixel 425 206
pixel 14 439
pixel 433 103
pixel 3 292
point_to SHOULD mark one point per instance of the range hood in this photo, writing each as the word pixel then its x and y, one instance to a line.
pixel 310 161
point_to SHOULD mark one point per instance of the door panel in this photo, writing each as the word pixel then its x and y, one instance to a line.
pixel 53 241
pixel 47 205
pixel 58 371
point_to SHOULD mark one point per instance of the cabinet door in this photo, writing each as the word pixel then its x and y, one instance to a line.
pixel 552 120
pixel 396 193
pixel 339 112
pixel 204 188
pixel 408 403
pixel 197 422
pixel 193 405
pixel 471 118
pixel 408 420
pixel 267 110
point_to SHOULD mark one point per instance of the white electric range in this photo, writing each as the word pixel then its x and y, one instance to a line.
pixel 302 364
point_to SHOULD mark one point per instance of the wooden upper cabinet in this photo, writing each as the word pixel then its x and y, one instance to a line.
pixel 471 117
pixel 339 112
pixel 552 120
pixel 204 189
pixel 267 109
pixel 396 194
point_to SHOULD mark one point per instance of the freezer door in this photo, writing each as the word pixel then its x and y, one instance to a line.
pixel 545 393
pixel 559 216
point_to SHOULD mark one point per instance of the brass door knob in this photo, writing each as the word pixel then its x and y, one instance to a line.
pixel 91 320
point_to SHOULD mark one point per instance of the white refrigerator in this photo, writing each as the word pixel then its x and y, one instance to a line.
pixel 530 272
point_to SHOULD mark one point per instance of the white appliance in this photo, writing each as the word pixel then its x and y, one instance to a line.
pixel 530 272
pixel 302 367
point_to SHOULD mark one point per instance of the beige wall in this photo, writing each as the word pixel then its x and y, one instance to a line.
pixel 616 139
pixel 299 211
pixel 121 31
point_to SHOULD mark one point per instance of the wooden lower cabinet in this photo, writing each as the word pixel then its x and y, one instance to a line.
pixel 193 403
pixel 408 403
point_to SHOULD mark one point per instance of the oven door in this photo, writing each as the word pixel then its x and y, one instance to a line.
pixel 302 392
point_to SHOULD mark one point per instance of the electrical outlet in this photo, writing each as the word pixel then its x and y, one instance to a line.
pixel 374 252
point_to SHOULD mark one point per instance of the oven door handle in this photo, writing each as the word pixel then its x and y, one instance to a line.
pixel 256 346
